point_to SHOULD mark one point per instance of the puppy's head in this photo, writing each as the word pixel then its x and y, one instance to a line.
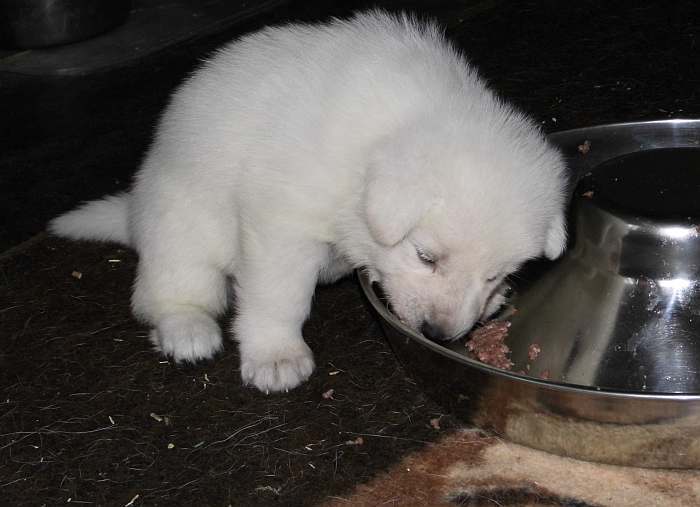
pixel 449 221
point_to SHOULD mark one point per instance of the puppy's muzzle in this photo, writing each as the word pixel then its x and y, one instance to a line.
pixel 432 331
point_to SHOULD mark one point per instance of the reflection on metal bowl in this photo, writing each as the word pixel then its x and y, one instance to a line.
pixel 617 318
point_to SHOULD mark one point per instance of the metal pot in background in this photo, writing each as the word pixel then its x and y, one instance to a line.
pixel 40 23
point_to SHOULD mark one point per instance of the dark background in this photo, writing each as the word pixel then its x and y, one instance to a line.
pixel 64 139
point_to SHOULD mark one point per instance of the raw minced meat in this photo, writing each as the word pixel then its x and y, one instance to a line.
pixel 533 351
pixel 486 343
pixel 584 148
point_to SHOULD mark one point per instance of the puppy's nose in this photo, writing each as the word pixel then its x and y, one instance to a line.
pixel 432 331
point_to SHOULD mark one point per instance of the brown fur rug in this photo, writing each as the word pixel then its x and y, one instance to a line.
pixel 469 468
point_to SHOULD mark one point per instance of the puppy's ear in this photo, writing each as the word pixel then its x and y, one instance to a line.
pixel 555 242
pixel 393 206
pixel 400 186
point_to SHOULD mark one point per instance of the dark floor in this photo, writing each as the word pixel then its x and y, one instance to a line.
pixel 77 390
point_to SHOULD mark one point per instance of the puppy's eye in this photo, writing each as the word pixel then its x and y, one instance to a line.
pixel 492 279
pixel 425 257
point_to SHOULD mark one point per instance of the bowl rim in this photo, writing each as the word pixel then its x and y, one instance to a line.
pixel 559 135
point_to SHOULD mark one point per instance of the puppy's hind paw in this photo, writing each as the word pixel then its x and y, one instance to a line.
pixel 187 336
pixel 277 370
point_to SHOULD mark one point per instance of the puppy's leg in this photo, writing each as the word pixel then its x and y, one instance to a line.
pixel 273 296
pixel 181 298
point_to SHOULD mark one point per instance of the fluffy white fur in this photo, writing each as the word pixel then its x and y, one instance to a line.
pixel 298 153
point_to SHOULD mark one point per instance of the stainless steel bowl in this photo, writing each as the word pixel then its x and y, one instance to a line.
pixel 617 318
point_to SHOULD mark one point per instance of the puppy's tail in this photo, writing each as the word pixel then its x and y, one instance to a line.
pixel 105 219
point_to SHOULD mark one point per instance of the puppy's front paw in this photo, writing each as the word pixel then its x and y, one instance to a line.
pixel 276 366
pixel 187 336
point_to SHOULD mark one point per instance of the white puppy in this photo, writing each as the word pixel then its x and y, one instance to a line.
pixel 298 153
